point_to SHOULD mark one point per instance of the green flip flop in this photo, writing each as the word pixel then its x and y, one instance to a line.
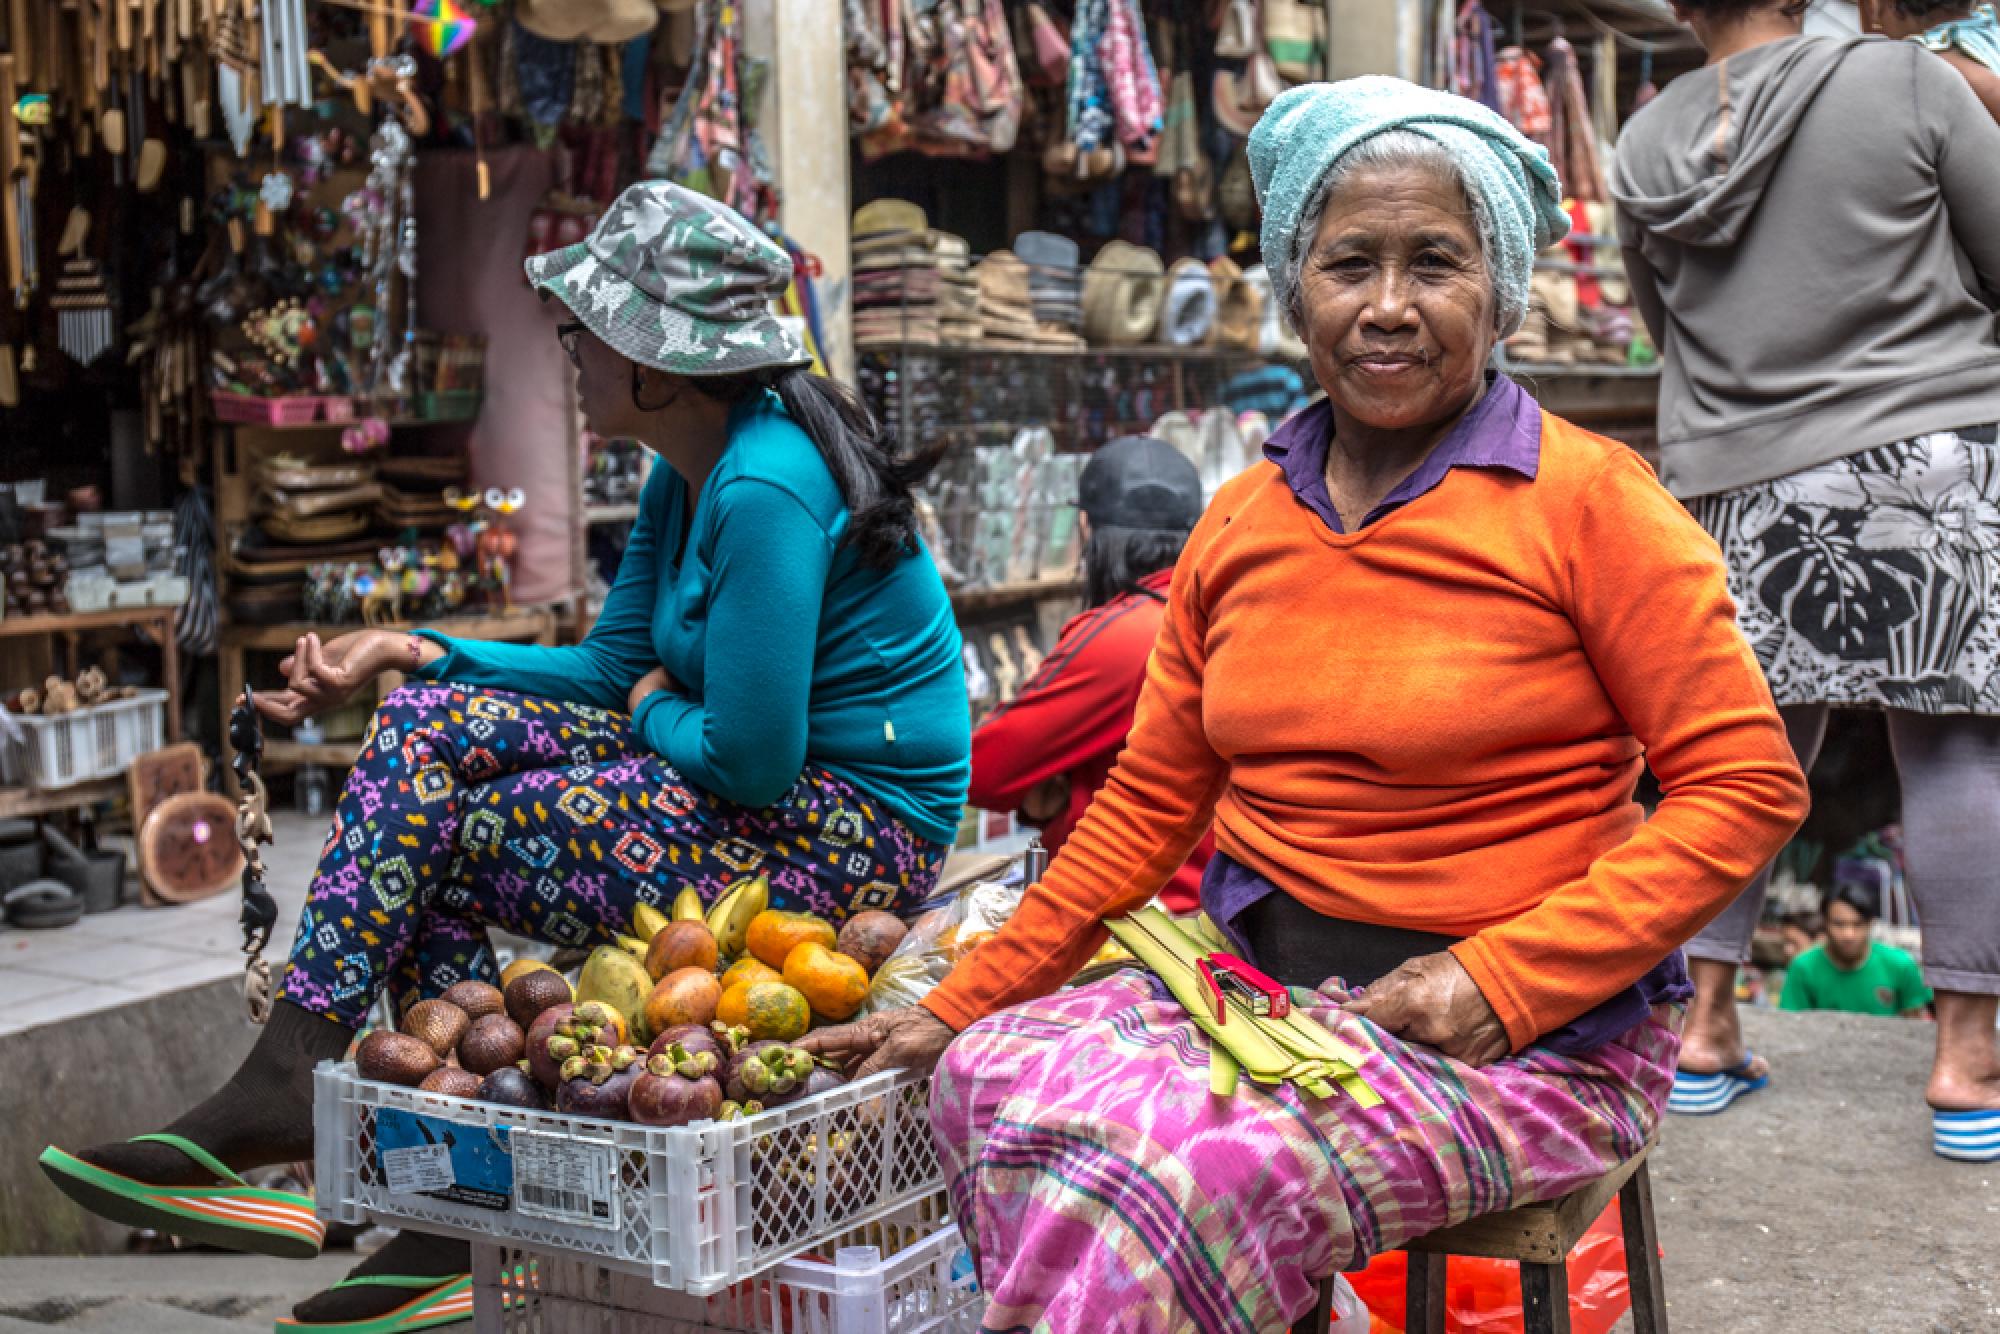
pixel 440 1301
pixel 234 1216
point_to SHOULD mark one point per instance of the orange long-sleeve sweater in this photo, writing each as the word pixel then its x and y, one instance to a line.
pixel 1437 722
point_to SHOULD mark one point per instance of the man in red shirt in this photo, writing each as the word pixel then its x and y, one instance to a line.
pixel 1044 754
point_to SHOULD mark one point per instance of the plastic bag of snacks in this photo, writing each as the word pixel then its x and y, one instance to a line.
pixel 972 903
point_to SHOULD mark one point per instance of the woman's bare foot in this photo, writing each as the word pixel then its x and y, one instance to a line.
pixel 1966 1073
pixel 1712 1038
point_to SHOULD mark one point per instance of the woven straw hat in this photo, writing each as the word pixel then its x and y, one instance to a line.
pixel 1122 290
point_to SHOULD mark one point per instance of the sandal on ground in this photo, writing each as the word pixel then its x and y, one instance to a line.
pixel 438 1302
pixel 234 1216
pixel 1967 1137
pixel 1706 1094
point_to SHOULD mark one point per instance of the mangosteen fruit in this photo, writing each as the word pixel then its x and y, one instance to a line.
pixel 395 1058
pixel 511 1086
pixel 533 992
pixel 664 1095
pixel 495 1040
pixel 477 999
pixel 438 1024
pixel 451 1080
pixel 598 1081
pixel 823 1079
pixel 693 1037
pixel 768 1072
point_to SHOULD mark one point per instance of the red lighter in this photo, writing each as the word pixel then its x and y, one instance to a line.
pixel 1227 974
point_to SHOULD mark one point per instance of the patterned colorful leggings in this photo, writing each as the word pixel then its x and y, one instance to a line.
pixel 469 808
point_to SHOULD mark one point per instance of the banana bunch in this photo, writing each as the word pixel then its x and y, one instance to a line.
pixel 729 917
pixel 1296 1049
pixel 648 921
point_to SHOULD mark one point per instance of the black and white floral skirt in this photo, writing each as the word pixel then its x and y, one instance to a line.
pixel 1873 580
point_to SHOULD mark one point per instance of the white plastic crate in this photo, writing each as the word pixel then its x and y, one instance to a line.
pixel 925 1285
pixel 98 742
pixel 691 1208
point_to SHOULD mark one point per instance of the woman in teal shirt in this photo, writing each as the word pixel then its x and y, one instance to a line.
pixel 775 686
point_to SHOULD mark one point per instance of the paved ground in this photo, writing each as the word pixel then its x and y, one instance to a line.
pixel 108 959
pixel 1815 1206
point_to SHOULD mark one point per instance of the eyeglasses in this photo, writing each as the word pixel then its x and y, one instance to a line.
pixel 567 334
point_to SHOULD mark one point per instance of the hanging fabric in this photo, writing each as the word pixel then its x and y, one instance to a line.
pixel 711 143
pixel 1572 140
pixel 1523 99
pixel 1604 92
pixel 1474 61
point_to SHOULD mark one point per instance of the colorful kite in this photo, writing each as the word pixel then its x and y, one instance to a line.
pixel 442 26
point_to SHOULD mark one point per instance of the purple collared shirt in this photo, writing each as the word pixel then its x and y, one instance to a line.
pixel 1504 430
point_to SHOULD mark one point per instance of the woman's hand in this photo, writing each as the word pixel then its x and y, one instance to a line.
pixel 324 676
pixel 652 681
pixel 911 1038
pixel 1432 999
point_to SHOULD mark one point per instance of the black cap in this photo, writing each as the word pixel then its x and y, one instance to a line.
pixel 1139 481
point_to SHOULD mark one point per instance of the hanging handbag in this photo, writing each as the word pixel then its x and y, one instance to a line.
pixel 1295 39
pixel 1051 47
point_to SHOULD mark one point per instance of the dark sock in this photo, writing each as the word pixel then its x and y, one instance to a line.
pixel 263 1115
pixel 408 1253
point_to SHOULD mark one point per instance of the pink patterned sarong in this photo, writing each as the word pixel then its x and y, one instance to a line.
pixel 1104 1190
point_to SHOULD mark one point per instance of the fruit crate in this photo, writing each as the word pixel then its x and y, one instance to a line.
pixel 64 749
pixel 690 1208
pixel 909 1273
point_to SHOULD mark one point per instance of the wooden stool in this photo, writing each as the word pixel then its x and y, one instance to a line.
pixel 1539 1237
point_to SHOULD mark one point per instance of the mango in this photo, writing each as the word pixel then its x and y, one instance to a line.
pixel 616 978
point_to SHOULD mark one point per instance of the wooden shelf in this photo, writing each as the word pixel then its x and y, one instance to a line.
pixel 1007 595
pixel 522 623
pixel 335 754
pixel 12 627
pixel 1139 352
pixel 626 513
pixel 17 802
pixel 393 423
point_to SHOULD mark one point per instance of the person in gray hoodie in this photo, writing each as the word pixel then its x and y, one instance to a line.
pixel 1812 228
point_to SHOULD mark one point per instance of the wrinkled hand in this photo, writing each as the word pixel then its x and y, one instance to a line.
pixel 1046 799
pixel 652 681
pixel 321 676
pixel 911 1038
pixel 1432 999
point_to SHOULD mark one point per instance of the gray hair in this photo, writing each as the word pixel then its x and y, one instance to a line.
pixel 1391 148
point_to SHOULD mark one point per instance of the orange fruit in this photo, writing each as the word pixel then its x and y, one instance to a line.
pixel 685 996
pixel 774 934
pixel 734 1007
pixel 833 984
pixel 749 969
pixel 775 1011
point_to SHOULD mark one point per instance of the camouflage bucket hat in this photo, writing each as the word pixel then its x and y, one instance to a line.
pixel 677 281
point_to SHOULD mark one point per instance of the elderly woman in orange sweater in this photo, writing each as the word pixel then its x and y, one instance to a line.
pixel 1411 667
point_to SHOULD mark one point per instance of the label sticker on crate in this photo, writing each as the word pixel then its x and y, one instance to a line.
pixel 427 1155
pixel 563 1180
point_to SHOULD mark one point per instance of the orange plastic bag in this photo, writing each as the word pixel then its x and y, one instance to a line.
pixel 1484 1296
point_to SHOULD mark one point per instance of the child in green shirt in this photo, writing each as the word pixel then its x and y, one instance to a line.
pixel 1849 970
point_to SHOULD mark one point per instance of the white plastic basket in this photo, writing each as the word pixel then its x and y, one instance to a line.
pixel 98 742
pixel 925 1285
pixel 691 1208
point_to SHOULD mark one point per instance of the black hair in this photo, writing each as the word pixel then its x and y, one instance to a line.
pixel 1856 895
pixel 1116 559
pixel 1923 9
pixel 874 479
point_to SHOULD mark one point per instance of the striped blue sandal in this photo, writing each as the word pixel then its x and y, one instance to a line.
pixel 1967 1137
pixel 1706 1094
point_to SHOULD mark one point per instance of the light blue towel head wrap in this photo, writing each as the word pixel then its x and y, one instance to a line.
pixel 1310 128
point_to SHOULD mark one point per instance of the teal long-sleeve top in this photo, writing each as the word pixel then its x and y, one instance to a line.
pixel 784 648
